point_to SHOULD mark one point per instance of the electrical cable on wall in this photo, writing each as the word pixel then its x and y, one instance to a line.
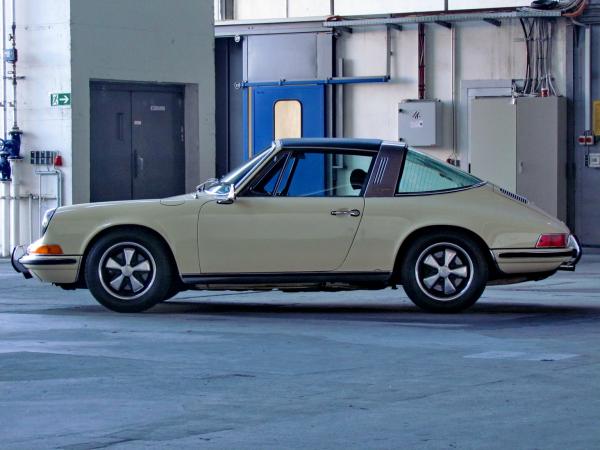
pixel 538 34
pixel 538 47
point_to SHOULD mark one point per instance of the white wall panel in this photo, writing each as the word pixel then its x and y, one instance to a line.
pixel 44 40
pixel 358 7
pixel 476 4
pixel 259 9
pixel 276 9
pixel 308 8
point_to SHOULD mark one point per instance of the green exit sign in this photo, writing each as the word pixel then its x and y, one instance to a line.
pixel 60 99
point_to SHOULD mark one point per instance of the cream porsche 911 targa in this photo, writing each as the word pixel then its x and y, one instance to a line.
pixel 307 214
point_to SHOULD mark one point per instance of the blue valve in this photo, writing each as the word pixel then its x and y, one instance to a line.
pixel 9 149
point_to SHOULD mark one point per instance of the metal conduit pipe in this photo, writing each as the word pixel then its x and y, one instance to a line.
pixel 14 64
pixel 4 106
pixel 6 218
pixel 15 204
pixel 587 78
pixel 59 181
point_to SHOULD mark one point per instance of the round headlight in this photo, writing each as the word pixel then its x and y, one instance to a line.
pixel 46 219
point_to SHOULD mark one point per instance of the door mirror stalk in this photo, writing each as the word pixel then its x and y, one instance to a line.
pixel 230 198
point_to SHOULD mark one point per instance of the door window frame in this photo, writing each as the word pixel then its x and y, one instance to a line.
pixel 289 154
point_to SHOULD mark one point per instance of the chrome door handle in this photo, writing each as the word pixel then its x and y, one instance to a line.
pixel 346 212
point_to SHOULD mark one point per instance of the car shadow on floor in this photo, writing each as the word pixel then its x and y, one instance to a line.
pixel 378 312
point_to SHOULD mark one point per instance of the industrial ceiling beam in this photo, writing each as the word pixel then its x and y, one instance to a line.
pixel 494 22
pixel 449 18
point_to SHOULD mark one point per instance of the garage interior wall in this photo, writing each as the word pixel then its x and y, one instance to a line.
pixel 482 52
pixel 145 41
pixel 65 44
pixel 278 9
pixel 43 41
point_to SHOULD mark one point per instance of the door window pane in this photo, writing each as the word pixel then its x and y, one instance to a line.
pixel 288 119
pixel 423 173
pixel 325 174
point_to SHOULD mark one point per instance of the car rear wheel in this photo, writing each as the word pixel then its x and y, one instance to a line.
pixel 129 272
pixel 445 272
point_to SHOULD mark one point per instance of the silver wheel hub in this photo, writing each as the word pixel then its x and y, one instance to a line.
pixel 127 270
pixel 444 271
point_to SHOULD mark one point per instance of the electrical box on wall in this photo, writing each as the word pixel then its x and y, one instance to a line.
pixel 420 122
pixel 592 160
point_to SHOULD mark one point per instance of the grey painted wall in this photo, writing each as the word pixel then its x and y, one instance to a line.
pixel 144 41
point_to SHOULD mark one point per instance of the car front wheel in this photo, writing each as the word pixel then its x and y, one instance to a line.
pixel 444 273
pixel 128 272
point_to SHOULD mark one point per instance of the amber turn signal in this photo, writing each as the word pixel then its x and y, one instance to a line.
pixel 552 241
pixel 45 249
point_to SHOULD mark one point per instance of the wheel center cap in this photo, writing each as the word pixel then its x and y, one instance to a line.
pixel 444 272
pixel 127 271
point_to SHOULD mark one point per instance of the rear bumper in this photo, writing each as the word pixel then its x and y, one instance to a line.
pixel 532 260
pixel 575 247
pixel 49 268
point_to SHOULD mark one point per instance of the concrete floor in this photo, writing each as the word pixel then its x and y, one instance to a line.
pixel 363 370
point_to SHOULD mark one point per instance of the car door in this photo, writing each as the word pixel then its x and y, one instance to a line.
pixel 300 214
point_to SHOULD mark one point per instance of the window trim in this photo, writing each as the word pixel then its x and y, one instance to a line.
pixel 263 172
pixel 290 151
pixel 442 191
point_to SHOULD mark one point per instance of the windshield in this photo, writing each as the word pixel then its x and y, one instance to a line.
pixel 235 177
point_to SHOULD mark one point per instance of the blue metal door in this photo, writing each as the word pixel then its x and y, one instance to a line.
pixel 309 110
pixel 263 101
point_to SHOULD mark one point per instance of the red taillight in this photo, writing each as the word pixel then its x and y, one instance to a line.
pixel 552 241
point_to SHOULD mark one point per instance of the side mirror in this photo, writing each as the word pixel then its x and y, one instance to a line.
pixel 230 197
pixel 208 182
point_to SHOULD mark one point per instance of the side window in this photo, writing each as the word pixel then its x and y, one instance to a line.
pixel 423 173
pixel 325 174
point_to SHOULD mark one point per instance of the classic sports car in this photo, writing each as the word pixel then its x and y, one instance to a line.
pixel 307 214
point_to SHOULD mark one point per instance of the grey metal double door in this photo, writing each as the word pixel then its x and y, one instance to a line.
pixel 137 142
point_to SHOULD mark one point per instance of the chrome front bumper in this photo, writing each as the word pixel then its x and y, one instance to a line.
pixel 575 247
pixel 51 268
pixel 18 252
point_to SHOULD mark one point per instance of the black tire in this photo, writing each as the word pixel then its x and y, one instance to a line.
pixel 174 289
pixel 129 271
pixel 444 273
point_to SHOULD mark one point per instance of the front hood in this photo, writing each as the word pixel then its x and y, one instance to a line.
pixel 128 204
pixel 124 204
pixel 178 199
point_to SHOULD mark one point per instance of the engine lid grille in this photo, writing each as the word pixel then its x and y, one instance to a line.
pixel 512 195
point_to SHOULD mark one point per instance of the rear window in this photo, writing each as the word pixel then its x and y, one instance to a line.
pixel 424 173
